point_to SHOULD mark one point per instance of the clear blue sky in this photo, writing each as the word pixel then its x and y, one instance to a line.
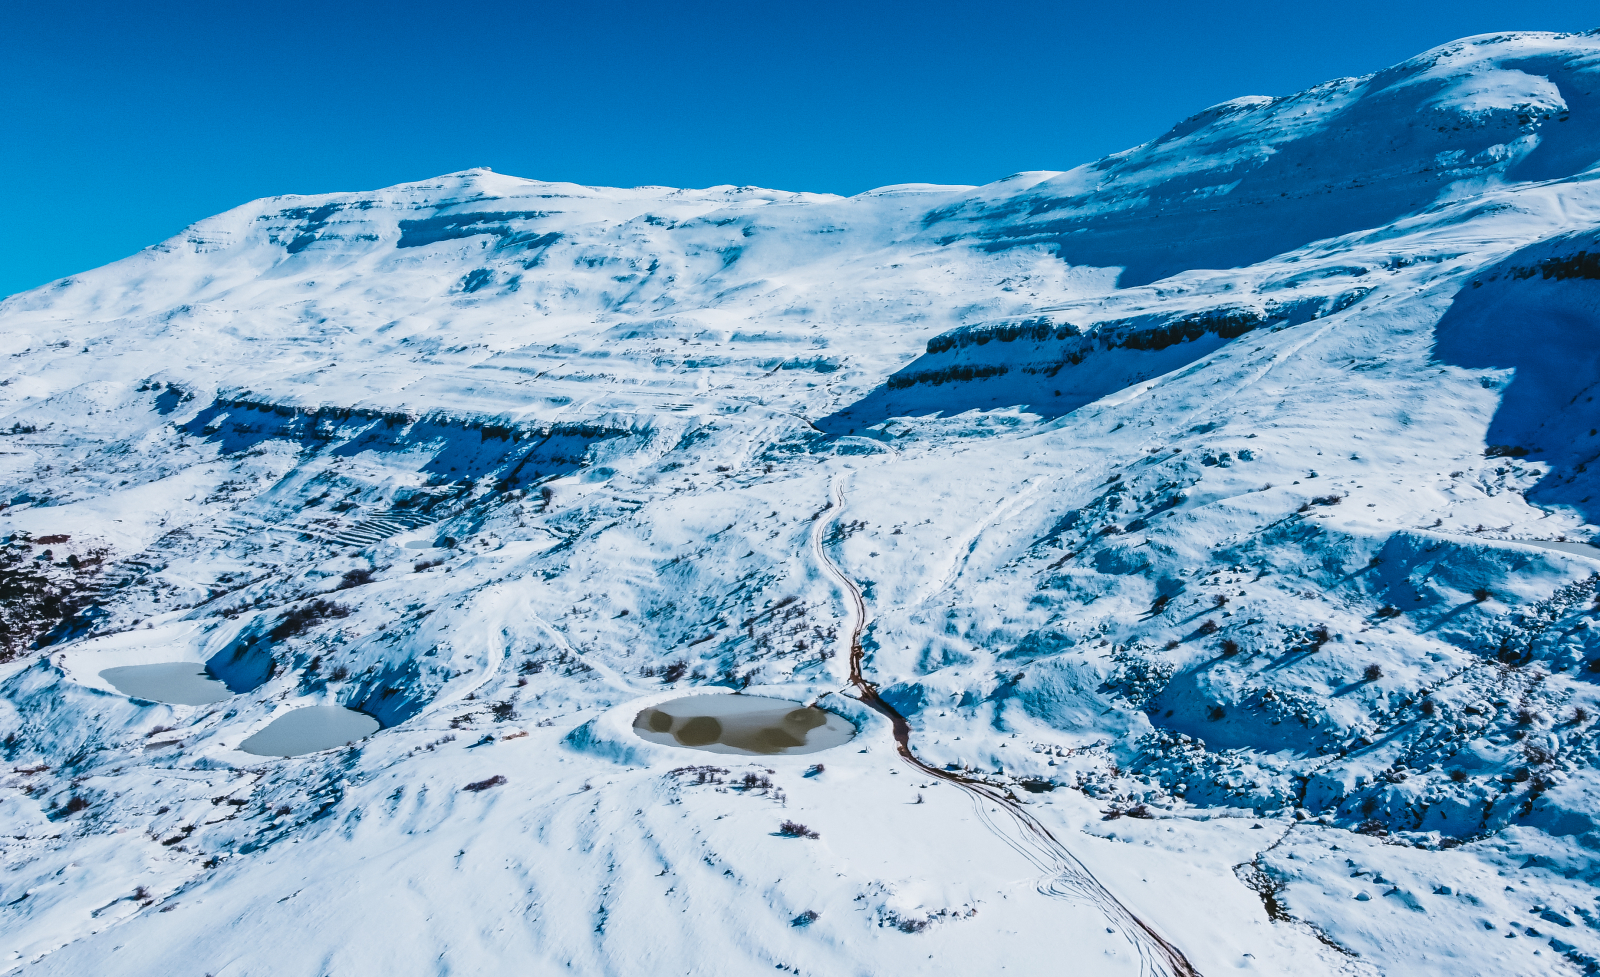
pixel 122 122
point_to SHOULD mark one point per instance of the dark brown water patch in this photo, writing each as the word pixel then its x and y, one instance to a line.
pixel 745 724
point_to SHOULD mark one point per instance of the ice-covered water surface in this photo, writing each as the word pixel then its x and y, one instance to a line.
pixel 311 729
pixel 742 724
pixel 181 683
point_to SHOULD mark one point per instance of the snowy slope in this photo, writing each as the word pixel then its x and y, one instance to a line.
pixel 1218 514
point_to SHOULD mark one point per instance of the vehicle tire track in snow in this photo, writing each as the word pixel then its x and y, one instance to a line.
pixel 1067 876
pixel 961 554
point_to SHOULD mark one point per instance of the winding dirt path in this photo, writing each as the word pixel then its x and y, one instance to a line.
pixel 1066 875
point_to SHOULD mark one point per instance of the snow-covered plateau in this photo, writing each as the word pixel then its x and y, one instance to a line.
pixel 1211 523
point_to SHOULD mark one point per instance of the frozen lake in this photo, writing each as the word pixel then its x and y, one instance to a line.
pixel 310 729
pixel 182 683
pixel 742 724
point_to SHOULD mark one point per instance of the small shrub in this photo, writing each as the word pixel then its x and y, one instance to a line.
pixel 76 804
pixel 481 785
pixel 794 829
pixel 1209 627
pixel 1373 672
pixel 1230 648
pixel 304 617
pixel 1427 707
pixel 675 671
pixel 503 710
pixel 1459 776
pixel 1215 713
pixel 1388 610
pixel 1505 451
pixel 702 775
pixel 1321 500
pixel 1481 594
pixel 1580 715
pixel 355 578
pixel 1174 643
pixel 1219 600
pixel 339 674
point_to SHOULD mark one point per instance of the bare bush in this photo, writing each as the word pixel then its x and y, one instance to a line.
pixel 306 616
pixel 355 578
pixel 794 829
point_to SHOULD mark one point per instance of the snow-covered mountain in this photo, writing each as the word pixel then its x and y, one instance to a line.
pixel 1216 516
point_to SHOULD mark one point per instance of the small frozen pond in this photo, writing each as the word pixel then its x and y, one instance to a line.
pixel 182 683
pixel 310 729
pixel 744 724
pixel 1578 549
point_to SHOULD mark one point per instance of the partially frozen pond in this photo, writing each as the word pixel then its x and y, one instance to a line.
pixel 746 724
pixel 182 683
pixel 310 729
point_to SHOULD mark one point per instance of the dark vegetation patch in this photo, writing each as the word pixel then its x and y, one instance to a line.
pixel 794 829
pixel 701 774
pixel 305 617
pixel 355 578
pixel 42 599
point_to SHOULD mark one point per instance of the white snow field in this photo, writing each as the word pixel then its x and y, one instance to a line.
pixel 1211 521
